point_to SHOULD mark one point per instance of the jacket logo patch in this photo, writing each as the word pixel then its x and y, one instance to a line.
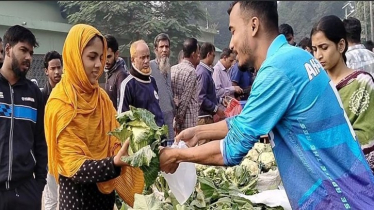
pixel 156 95
pixel 110 88
pixel 28 99
pixel 1 95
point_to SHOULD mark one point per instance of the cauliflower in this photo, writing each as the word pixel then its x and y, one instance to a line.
pixel 145 136
pixel 252 155
pixel 210 171
pixel 268 148
pixel 229 171
pixel 260 147
pixel 251 167
pixel 266 160
pixel 200 167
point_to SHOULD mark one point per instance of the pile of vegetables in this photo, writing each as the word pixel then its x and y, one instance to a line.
pixel 216 188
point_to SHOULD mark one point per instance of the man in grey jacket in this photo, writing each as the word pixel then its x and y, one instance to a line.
pixel 161 73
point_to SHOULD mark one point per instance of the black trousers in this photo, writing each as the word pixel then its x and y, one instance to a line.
pixel 27 196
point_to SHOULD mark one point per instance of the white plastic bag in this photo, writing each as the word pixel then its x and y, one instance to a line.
pixel 268 181
pixel 272 198
pixel 183 181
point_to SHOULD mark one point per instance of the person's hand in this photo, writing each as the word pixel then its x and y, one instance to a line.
pixel 221 113
pixel 238 90
pixel 122 152
pixel 188 136
pixel 225 102
pixel 168 160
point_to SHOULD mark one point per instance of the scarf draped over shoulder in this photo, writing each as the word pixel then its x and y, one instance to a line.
pixel 78 117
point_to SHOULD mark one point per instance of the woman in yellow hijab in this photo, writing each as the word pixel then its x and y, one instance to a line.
pixel 83 158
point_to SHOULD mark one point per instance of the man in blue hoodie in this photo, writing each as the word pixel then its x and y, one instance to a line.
pixel 293 99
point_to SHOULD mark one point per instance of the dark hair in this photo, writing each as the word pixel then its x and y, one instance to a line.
pixel 160 37
pixel 206 48
pixel 353 28
pixel 111 42
pixel 93 38
pixel 190 45
pixel 50 56
pixel 266 11
pixel 285 29
pixel 304 43
pixel 17 34
pixel 334 30
pixel 226 52
pixel 369 45
pixel 1 39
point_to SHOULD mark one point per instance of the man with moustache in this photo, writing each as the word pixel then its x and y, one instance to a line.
pixel 115 70
pixel 139 89
pixel 53 70
pixel 294 100
pixel 23 149
pixel 161 73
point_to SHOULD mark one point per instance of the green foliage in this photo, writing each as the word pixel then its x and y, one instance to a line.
pixel 362 12
pixel 218 19
pixel 302 15
pixel 134 20
pixel 180 19
pixel 145 136
pixel 217 187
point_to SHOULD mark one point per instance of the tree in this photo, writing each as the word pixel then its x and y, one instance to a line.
pixel 362 12
pixel 302 15
pixel 219 19
pixel 135 20
pixel 179 20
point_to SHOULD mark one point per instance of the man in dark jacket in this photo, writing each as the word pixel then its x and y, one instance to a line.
pixel 53 70
pixel 115 70
pixel 23 149
pixel 208 101
pixel 1 53
pixel 139 89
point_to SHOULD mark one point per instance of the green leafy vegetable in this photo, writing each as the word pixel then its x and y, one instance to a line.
pixel 139 126
pixel 219 187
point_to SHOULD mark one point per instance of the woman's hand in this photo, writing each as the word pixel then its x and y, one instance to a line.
pixel 122 152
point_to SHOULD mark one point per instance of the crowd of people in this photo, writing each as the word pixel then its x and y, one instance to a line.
pixel 314 100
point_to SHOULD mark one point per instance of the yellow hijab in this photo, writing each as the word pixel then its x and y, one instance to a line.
pixel 78 116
